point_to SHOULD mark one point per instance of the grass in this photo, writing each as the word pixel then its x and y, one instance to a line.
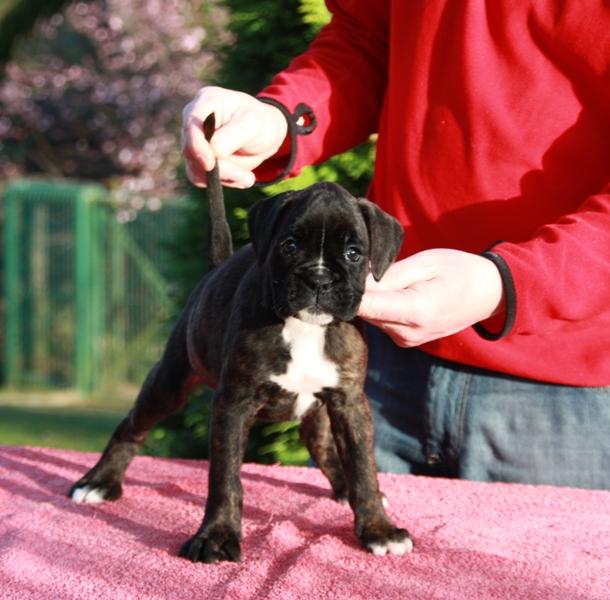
pixel 75 428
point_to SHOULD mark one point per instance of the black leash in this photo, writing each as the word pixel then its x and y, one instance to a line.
pixel 220 243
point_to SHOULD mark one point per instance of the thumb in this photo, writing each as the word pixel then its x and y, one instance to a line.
pixel 402 274
pixel 385 305
pixel 234 136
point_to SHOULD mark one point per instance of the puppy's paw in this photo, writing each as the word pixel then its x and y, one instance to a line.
pixel 213 544
pixel 387 540
pixel 93 490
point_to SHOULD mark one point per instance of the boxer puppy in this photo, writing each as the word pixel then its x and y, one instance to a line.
pixel 272 330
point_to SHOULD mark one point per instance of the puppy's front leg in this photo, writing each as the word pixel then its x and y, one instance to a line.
pixel 219 536
pixel 352 428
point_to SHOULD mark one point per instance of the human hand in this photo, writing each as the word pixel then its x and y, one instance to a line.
pixel 433 294
pixel 248 132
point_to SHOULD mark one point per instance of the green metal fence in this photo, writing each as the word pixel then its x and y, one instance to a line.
pixel 87 300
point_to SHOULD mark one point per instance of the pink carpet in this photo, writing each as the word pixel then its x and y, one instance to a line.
pixel 473 540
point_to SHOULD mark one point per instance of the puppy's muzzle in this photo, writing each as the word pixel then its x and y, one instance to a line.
pixel 318 279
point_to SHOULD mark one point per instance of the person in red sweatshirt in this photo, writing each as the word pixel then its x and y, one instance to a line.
pixel 490 336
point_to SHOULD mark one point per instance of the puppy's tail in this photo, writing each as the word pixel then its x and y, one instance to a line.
pixel 220 244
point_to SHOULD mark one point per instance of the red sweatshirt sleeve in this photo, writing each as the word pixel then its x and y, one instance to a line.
pixel 562 274
pixel 341 78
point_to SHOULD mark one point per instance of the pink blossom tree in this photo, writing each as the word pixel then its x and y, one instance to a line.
pixel 97 91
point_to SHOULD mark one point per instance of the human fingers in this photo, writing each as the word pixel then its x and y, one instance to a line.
pixel 195 147
pixel 195 174
pixel 226 106
pixel 248 132
pixel 404 336
pixel 242 137
pixel 459 290
pixel 406 272
pixel 231 176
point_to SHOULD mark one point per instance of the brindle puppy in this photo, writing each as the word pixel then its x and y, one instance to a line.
pixel 272 330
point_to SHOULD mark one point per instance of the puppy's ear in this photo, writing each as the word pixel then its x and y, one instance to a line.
pixel 262 221
pixel 385 237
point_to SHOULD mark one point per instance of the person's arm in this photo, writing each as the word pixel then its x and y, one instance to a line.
pixel 338 84
pixel 333 93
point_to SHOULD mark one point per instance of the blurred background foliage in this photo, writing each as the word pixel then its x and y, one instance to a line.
pixel 94 90
pixel 17 17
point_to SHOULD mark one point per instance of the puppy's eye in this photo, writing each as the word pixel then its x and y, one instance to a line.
pixel 289 247
pixel 353 254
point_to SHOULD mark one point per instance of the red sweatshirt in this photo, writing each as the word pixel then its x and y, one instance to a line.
pixel 494 124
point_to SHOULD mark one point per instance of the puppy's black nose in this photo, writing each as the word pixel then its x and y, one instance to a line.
pixel 319 279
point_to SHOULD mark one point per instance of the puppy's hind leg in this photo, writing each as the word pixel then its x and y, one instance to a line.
pixel 164 391
pixel 318 438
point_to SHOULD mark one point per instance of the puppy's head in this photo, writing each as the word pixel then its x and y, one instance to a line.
pixel 315 248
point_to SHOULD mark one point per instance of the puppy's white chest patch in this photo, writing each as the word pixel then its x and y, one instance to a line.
pixel 309 370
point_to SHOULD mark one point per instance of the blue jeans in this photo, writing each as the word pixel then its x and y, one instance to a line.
pixel 435 417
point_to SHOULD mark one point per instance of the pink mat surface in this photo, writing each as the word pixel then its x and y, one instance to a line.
pixel 473 540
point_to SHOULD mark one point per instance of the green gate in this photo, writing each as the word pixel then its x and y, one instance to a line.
pixel 87 300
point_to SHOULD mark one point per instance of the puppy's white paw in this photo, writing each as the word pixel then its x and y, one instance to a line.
pixel 88 495
pixel 397 548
